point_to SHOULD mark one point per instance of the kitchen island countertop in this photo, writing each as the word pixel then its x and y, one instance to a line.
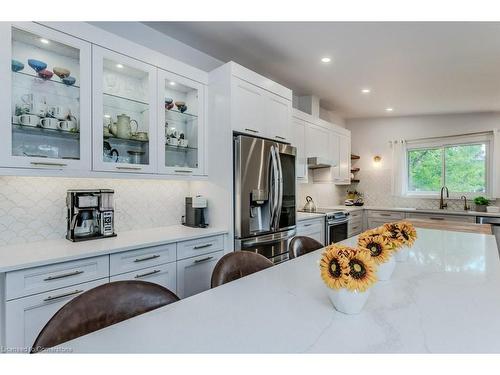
pixel 444 299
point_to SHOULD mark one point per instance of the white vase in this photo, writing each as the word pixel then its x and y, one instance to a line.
pixel 348 302
pixel 402 254
pixel 385 270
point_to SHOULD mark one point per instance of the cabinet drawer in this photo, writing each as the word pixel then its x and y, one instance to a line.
pixel 42 279
pixel 309 226
pixel 164 275
pixel 356 215
pixel 386 215
pixel 199 246
pixel 374 223
pixel 354 228
pixel 25 317
pixel 194 275
pixel 133 260
pixel 445 217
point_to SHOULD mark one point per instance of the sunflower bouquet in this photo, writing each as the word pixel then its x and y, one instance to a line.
pixel 347 267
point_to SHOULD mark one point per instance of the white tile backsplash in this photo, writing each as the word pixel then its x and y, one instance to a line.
pixel 34 208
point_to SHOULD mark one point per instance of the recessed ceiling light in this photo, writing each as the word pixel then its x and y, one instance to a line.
pixel 366 91
pixel 119 66
pixel 44 41
pixel 326 59
pixel 389 109
pixel 172 83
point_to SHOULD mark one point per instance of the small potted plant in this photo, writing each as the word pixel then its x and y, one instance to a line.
pixel 481 203
pixel 348 273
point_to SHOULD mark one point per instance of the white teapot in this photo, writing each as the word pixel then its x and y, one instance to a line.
pixel 122 128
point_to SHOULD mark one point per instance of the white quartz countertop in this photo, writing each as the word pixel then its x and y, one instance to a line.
pixel 26 255
pixel 301 216
pixel 415 210
pixel 444 299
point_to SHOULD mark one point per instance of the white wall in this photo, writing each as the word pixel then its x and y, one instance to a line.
pixel 155 40
pixel 371 137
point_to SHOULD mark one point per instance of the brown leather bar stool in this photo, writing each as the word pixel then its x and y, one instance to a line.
pixel 301 245
pixel 101 307
pixel 238 264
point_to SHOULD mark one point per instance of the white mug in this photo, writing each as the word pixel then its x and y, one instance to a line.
pixel 33 105
pixel 15 120
pixel 49 123
pixel 29 120
pixel 59 112
pixel 67 125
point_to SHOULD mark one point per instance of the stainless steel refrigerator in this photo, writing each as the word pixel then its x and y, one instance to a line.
pixel 264 196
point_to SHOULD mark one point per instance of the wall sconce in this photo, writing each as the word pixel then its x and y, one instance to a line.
pixel 377 160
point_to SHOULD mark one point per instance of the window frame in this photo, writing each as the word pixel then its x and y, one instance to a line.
pixel 442 143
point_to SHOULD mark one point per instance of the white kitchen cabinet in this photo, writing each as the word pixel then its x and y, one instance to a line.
pixel 163 274
pixel 124 113
pixel 46 116
pixel 194 274
pixel 181 148
pixel 441 217
pixel 317 142
pixel 378 218
pixel 259 112
pixel 314 228
pixel 344 163
pixel 299 141
pixel 338 150
pixel 25 317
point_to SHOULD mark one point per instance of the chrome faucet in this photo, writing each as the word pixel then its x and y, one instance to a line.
pixel 443 205
pixel 466 208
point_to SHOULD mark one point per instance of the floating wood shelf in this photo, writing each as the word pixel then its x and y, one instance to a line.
pixel 354 170
pixel 354 157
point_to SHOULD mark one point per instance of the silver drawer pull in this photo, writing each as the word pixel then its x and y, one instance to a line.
pixel 202 260
pixel 48 164
pixel 277 136
pixel 63 276
pixel 385 214
pixel 51 298
pixel 436 218
pixel 146 274
pixel 146 258
pixel 307 225
pixel 129 168
pixel 183 171
pixel 203 246
pixel 251 130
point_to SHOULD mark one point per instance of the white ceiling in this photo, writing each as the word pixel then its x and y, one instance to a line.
pixel 416 68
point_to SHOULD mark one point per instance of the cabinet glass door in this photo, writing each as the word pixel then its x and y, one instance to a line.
pixel 48 96
pixel 181 135
pixel 124 123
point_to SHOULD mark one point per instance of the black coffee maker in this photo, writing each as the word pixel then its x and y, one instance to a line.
pixel 195 212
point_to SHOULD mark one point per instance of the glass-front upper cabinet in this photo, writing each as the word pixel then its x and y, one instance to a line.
pixel 125 131
pixel 181 127
pixel 45 99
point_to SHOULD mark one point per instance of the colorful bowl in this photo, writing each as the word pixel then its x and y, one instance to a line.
pixel 169 100
pixel 183 108
pixel 45 74
pixel 61 72
pixel 37 65
pixel 179 104
pixel 70 81
pixel 17 65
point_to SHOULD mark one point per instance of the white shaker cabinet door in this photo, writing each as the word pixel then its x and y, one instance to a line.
pixel 25 317
pixel 345 159
pixel 277 111
pixel 194 274
pixel 248 111
pixel 299 141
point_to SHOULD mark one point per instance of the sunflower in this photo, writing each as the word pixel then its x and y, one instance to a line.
pixel 333 268
pixel 392 232
pixel 361 271
pixel 380 247
pixel 406 233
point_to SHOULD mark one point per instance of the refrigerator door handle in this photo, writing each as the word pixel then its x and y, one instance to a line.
pixel 274 188
pixel 280 189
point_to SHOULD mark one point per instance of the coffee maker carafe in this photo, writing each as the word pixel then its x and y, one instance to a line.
pixel 90 214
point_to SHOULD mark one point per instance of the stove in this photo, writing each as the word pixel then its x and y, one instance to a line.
pixel 335 224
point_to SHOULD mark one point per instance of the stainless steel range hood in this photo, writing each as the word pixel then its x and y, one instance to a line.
pixel 319 162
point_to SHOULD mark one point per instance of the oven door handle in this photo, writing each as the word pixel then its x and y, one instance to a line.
pixel 333 223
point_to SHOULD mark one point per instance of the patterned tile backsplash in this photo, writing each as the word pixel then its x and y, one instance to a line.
pixel 376 187
pixel 34 208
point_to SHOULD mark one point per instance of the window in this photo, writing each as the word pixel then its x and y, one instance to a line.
pixel 461 164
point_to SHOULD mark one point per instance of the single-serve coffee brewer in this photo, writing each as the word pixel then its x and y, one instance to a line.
pixel 195 212
pixel 90 214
